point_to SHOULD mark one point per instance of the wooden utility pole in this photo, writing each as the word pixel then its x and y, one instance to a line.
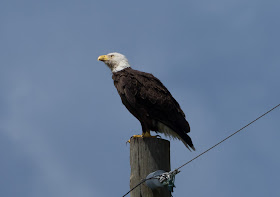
pixel 148 155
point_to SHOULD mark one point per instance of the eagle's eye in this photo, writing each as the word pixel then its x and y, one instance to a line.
pixel 112 55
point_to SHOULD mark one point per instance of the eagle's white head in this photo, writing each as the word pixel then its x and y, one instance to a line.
pixel 115 61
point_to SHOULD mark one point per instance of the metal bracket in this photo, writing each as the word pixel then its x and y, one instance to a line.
pixel 161 178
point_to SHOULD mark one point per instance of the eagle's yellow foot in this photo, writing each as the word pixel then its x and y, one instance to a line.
pixel 144 135
pixel 136 136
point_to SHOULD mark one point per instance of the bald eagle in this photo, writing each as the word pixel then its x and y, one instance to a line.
pixel 148 100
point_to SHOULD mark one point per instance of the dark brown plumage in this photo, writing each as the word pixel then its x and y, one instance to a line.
pixel 150 102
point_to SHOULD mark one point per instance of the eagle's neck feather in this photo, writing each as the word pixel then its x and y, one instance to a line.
pixel 122 65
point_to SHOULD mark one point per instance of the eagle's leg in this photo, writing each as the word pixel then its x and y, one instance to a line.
pixel 147 134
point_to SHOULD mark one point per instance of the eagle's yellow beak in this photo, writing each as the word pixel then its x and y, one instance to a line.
pixel 103 58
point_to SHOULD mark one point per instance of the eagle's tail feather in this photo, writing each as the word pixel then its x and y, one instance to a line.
pixel 162 128
pixel 187 141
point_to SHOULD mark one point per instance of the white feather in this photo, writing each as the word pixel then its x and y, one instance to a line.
pixel 122 65
pixel 162 128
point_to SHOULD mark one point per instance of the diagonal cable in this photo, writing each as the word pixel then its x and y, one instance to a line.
pixel 228 137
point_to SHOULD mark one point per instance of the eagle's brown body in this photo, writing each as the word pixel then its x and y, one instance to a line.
pixel 152 104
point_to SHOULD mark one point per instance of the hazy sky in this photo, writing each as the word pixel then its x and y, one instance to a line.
pixel 63 127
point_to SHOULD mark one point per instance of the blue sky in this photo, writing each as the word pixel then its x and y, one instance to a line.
pixel 63 128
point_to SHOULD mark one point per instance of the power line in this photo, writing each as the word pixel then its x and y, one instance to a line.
pixel 177 169
pixel 229 136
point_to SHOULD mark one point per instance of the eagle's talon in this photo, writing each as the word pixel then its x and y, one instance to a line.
pixel 144 135
pixel 128 141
